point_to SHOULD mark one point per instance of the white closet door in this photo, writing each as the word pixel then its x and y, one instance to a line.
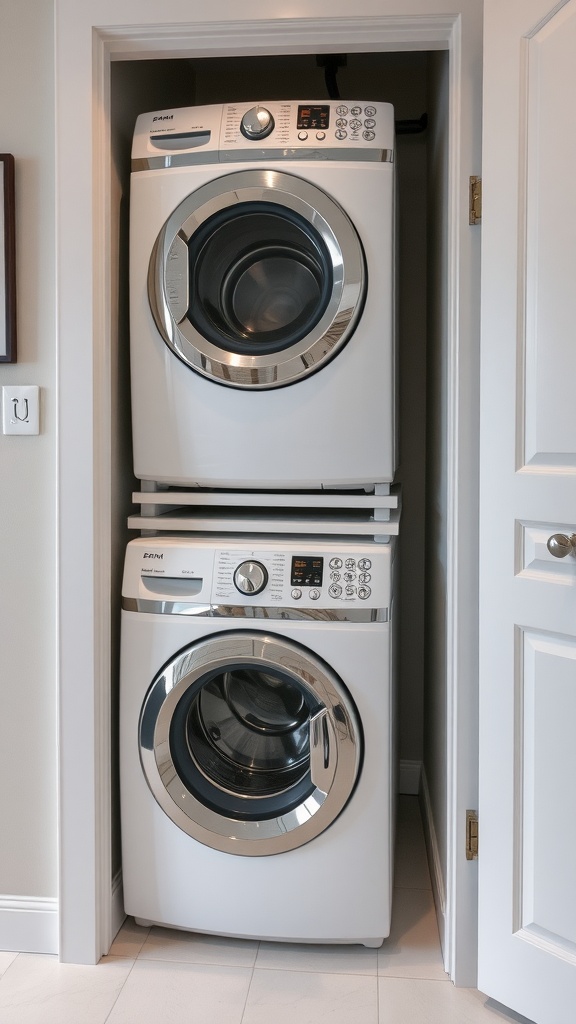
pixel 527 858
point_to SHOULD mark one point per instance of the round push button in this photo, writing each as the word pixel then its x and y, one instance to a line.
pixel 314 594
pixel 296 594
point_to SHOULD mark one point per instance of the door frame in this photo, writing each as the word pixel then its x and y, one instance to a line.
pixel 85 303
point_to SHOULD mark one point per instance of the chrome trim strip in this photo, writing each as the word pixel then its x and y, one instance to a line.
pixel 158 163
pixel 329 334
pixel 221 611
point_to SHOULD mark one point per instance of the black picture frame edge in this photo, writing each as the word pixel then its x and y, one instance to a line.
pixel 9 201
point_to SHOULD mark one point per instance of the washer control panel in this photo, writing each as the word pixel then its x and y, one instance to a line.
pixel 324 580
pixel 271 129
pixel 266 574
pixel 318 124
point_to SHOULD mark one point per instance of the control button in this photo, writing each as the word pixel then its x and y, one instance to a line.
pixel 302 136
pixel 320 136
pixel 350 563
pixel 356 111
pixel 365 577
pixel 369 122
pixel 341 110
pixel 314 594
pixel 256 123
pixel 355 124
pixel 340 133
pixel 335 563
pixel 250 577
pixel 350 591
pixel 335 590
pixel 296 594
pixel 370 111
pixel 349 577
pixel 364 593
pixel 364 563
pixel 335 576
pixel 341 122
pixel 369 136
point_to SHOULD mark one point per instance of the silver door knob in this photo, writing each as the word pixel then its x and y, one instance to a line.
pixel 560 545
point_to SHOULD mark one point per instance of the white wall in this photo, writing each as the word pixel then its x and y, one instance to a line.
pixel 28 851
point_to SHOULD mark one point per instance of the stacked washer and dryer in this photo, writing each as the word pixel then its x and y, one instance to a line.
pixel 257 678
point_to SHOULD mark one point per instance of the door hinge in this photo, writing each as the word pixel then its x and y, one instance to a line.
pixel 471 835
pixel 475 208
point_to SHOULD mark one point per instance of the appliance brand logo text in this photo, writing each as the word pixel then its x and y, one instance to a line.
pixel 152 554
pixel 163 117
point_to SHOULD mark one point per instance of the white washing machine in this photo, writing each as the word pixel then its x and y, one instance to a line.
pixel 256 732
pixel 262 295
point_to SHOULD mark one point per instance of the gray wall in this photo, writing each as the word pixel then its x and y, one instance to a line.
pixel 27 471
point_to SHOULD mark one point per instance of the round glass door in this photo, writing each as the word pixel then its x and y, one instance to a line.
pixel 249 743
pixel 257 279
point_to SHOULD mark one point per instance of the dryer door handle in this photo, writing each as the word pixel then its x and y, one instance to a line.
pixel 322 751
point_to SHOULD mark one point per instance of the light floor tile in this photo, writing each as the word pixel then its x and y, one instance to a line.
pixel 129 940
pixel 194 948
pixel 40 990
pixel 5 960
pixel 283 997
pixel 173 993
pixel 330 959
pixel 412 949
pixel 413 1002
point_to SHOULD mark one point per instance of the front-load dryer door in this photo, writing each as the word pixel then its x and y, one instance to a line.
pixel 249 743
pixel 257 279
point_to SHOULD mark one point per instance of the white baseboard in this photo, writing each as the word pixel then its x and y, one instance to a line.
pixel 433 859
pixel 28 925
pixel 409 777
pixel 117 915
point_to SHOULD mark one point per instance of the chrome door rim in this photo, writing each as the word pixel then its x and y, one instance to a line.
pixel 324 340
pixel 230 835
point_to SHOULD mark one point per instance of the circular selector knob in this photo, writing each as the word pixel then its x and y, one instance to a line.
pixel 250 577
pixel 257 123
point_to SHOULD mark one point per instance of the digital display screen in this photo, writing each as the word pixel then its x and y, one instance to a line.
pixel 307 571
pixel 314 116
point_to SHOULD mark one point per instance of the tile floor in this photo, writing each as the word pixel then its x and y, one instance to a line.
pixel 159 976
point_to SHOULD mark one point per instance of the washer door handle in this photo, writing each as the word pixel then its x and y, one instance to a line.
pixel 322 752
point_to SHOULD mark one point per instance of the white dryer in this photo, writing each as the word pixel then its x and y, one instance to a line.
pixel 262 295
pixel 256 736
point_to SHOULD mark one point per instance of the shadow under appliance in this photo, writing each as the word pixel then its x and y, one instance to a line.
pixel 256 736
pixel 262 296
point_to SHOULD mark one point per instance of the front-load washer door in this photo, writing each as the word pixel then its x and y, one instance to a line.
pixel 257 279
pixel 249 743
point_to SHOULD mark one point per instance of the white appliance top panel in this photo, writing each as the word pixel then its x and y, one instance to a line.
pixel 325 574
pixel 321 129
